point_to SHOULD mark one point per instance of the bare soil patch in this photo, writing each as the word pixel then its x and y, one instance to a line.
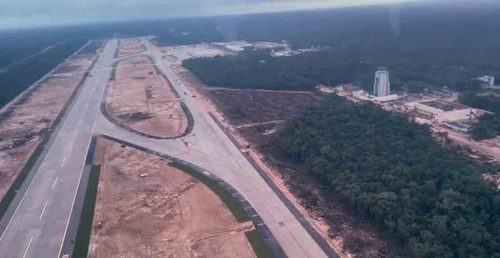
pixel 243 107
pixel 176 53
pixel 130 46
pixel 24 124
pixel 145 208
pixel 141 99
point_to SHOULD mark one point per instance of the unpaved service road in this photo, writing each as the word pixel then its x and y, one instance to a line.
pixel 145 208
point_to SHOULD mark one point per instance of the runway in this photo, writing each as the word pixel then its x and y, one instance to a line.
pixel 38 223
pixel 39 220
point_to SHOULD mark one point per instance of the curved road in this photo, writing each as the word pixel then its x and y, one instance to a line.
pixel 208 147
pixel 37 221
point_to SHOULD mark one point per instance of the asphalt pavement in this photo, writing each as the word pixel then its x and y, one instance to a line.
pixel 38 217
pixel 209 147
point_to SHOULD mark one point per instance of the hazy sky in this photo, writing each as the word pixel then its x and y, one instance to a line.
pixel 28 13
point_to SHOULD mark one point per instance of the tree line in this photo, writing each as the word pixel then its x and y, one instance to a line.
pixel 18 44
pixel 423 45
pixel 21 76
pixel 411 71
pixel 391 172
pixel 251 69
pixel 488 125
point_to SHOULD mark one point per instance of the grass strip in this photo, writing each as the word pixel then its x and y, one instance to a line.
pixel 85 226
pixel 232 204
pixel 190 119
pixel 259 246
pixel 117 51
pixel 113 71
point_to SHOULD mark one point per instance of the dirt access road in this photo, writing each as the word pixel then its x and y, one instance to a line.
pixel 145 208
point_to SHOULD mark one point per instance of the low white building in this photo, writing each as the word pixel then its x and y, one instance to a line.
pixel 385 98
pixel 487 79
pixel 457 126
pixel 361 95
pixel 286 52
pixel 365 96
pixel 443 111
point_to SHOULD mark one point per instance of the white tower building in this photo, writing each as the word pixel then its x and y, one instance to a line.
pixel 382 86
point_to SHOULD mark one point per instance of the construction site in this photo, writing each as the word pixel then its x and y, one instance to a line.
pixel 183 52
pixel 152 196
pixel 27 121
pixel 141 99
pixel 147 208
pixel 174 53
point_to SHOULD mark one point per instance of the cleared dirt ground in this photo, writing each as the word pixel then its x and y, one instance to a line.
pixel 246 107
pixel 145 208
pixel 174 53
pixel 141 99
pixel 130 46
pixel 24 124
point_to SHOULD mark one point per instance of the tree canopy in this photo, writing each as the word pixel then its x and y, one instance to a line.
pixel 20 76
pixel 423 45
pixel 489 124
pixel 392 172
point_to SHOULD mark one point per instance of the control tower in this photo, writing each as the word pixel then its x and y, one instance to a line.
pixel 382 86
